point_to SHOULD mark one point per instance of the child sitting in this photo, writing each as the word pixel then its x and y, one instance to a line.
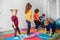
pixel 48 27
pixel 52 22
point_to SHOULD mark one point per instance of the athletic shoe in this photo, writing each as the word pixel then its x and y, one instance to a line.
pixel 16 38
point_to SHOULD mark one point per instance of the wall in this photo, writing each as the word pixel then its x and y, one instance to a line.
pixel 42 5
pixel 0 13
pixel 6 14
pixel 20 5
pixel 52 10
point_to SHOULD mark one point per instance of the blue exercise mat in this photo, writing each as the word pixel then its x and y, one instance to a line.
pixel 20 37
pixel 46 36
pixel 12 37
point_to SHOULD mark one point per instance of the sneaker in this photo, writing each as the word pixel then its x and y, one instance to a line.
pixel 20 35
pixel 16 38
pixel 29 35
pixel 25 35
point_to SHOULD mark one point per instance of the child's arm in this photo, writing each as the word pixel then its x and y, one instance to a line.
pixel 12 20
pixel 37 18
pixel 45 30
pixel 13 24
pixel 31 16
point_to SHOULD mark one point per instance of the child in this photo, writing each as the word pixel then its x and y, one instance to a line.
pixel 48 27
pixel 28 16
pixel 52 22
pixel 14 20
pixel 36 19
pixel 42 17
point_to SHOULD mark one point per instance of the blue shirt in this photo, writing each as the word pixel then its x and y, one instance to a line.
pixel 49 26
pixel 40 17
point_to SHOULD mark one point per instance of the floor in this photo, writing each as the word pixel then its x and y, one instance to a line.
pixel 38 35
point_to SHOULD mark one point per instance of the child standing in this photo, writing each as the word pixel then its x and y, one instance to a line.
pixel 36 19
pixel 28 16
pixel 14 20
pixel 48 27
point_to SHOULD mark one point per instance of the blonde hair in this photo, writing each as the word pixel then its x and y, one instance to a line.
pixel 46 21
pixel 14 10
pixel 28 7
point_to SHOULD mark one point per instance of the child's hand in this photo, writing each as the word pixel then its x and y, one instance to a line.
pixel 39 21
pixel 14 26
pixel 50 34
pixel 45 32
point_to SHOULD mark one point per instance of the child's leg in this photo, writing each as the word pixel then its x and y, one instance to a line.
pixel 15 34
pixel 37 24
pixel 50 32
pixel 53 30
pixel 18 30
pixel 29 26
pixel 40 23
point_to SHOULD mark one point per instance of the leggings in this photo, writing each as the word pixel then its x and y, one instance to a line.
pixel 16 30
pixel 37 23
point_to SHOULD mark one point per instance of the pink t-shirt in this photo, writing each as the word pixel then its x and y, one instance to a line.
pixel 15 20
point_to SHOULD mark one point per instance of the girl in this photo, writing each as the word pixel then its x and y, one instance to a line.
pixel 28 15
pixel 14 20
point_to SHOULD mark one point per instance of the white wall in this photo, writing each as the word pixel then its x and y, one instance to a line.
pixel 42 5
pixel 0 13
pixel 52 9
pixel 6 14
pixel 37 4
pixel 20 5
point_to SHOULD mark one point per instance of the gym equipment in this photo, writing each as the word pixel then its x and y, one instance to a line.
pixel 47 37
pixel 57 23
pixel 32 38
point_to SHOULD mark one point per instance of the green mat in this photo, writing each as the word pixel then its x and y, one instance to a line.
pixel 54 36
pixel 47 37
pixel 8 32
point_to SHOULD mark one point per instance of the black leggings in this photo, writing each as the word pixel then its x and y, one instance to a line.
pixel 16 30
pixel 37 23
